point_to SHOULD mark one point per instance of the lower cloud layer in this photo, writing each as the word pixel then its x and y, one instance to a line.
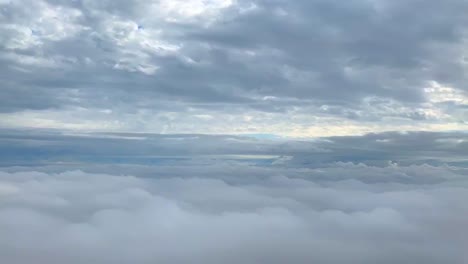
pixel 77 217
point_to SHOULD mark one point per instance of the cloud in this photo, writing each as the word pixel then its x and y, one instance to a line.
pixel 245 131
pixel 364 65
pixel 77 217
pixel 28 147
pixel 136 197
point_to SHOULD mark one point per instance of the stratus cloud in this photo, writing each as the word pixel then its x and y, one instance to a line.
pixel 78 217
pixel 29 147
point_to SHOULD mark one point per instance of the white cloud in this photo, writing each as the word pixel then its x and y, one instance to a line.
pixel 441 94
pixel 180 9
pixel 45 22
pixel 78 217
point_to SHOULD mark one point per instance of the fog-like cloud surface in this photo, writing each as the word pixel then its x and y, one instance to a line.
pixel 77 217
pixel 145 198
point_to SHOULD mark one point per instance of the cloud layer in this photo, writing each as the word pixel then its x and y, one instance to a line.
pixel 145 198
pixel 242 66
pixel 78 217
pixel 36 147
pixel 233 131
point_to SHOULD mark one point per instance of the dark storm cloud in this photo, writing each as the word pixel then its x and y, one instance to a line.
pixel 315 51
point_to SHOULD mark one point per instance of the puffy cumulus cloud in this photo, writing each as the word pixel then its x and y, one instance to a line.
pixel 360 66
pixel 78 217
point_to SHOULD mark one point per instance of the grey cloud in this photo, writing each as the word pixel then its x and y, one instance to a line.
pixel 324 37
pixel 254 66
pixel 22 146
pixel 320 52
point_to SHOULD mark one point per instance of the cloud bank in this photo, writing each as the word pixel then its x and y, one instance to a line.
pixel 113 198
pixel 78 217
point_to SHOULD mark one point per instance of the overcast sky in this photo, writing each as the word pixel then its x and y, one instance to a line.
pixel 301 68
pixel 233 131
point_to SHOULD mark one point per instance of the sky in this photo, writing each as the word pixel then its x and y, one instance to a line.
pixel 233 131
pixel 289 68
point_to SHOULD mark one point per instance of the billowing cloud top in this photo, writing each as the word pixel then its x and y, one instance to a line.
pixel 295 68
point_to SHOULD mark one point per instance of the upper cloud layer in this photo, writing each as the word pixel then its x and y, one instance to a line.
pixel 362 65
